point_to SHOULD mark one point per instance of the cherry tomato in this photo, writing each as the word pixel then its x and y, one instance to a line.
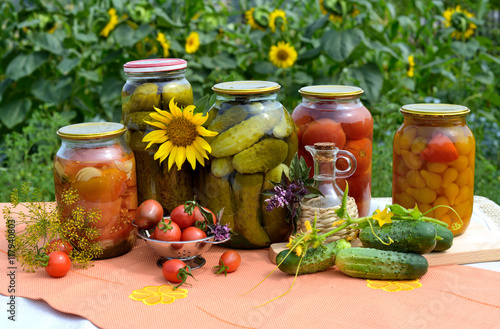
pixel 182 218
pixel 198 217
pixel 58 245
pixel 59 264
pixel 362 151
pixel 229 262
pixel 148 214
pixel 170 270
pixel 192 233
pixel 167 231
pixel 324 130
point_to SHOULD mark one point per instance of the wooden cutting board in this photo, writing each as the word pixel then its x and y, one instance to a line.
pixel 476 245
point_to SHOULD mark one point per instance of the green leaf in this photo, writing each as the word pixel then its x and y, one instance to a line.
pixel 316 25
pixel 229 78
pixel 398 210
pixel 310 54
pixel 487 78
pixel 25 64
pixel 3 86
pixel 14 112
pixel 295 168
pixel 202 105
pixel 124 35
pixel 224 61
pixel 340 44
pixel 342 211
pixel 67 64
pixel 491 58
pixel 86 37
pixel 467 49
pixel 165 19
pixel 54 91
pixel 49 42
pixel 492 97
pixel 302 78
pixel 90 75
pixel 415 213
pixel 304 169
pixel 370 80
pixel 264 68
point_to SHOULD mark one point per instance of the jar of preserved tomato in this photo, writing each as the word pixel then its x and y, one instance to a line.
pixel 335 114
pixel 433 164
pixel 95 161
pixel 256 143
pixel 153 83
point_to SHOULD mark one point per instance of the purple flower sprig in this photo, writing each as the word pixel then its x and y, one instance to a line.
pixel 220 232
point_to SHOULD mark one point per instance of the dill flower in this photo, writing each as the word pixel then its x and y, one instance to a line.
pixel 180 134
pixel 277 18
pixel 255 23
pixel 283 55
pixel 459 20
pixel 411 66
pixel 192 43
pixel 113 21
pixel 164 44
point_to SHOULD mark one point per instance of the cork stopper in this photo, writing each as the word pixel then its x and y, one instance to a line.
pixel 324 146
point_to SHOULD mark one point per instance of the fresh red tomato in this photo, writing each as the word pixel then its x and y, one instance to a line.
pixel 439 149
pixel 192 233
pixel 324 130
pixel 229 262
pixel 173 269
pixel 167 231
pixel 198 217
pixel 58 245
pixel 59 264
pixel 148 214
pixel 181 217
pixel 362 151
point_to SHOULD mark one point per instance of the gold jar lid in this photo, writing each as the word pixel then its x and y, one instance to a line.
pixel 434 110
pixel 92 130
pixel 331 91
pixel 246 87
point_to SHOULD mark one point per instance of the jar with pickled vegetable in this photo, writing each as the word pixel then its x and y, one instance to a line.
pixel 335 114
pixel 433 164
pixel 95 161
pixel 256 143
pixel 153 83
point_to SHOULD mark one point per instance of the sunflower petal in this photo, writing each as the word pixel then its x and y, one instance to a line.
pixel 204 132
pixel 180 158
pixel 159 141
pixel 171 158
pixel 191 155
pixel 200 150
pixel 163 150
pixel 156 124
pixel 154 135
pixel 174 109
pixel 161 118
pixel 203 143
pixel 199 119
pixel 188 112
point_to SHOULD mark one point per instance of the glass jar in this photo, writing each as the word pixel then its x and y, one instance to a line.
pixel 153 83
pixel 256 143
pixel 95 161
pixel 335 114
pixel 434 152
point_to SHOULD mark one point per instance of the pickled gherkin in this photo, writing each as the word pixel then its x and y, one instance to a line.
pixel 222 166
pixel 135 121
pixel 285 127
pixel 261 156
pixel 247 218
pixel 244 134
pixel 183 94
pixel 228 118
pixel 144 98
pixel 274 222
pixel 293 146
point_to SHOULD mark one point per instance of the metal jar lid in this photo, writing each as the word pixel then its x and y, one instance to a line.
pixel 91 130
pixel 154 65
pixel 331 91
pixel 434 110
pixel 247 87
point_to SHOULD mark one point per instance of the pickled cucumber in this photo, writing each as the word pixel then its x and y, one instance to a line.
pixel 144 98
pixel 244 134
pixel 293 147
pixel 222 166
pixel 254 108
pixel 228 118
pixel 135 120
pixel 285 127
pixel 261 156
pixel 274 222
pixel 247 192
pixel 183 94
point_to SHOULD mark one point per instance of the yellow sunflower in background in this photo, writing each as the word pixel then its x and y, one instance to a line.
pixel 164 44
pixel 180 134
pixel 277 18
pixel 459 20
pixel 250 18
pixel 283 55
pixel 192 43
pixel 113 21
pixel 411 66
pixel 337 9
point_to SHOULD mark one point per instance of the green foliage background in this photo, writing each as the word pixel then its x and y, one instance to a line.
pixel 56 68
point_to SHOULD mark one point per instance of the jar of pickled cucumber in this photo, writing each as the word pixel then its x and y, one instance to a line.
pixel 153 83
pixel 335 114
pixel 433 164
pixel 256 143
pixel 95 161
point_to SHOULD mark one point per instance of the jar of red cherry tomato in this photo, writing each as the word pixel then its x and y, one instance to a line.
pixel 95 161
pixel 335 114
pixel 433 163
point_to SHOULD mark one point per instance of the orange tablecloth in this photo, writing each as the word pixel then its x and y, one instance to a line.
pixel 447 296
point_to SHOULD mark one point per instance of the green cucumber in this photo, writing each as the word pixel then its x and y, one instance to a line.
pixel 446 236
pixel 315 260
pixel 368 263
pixel 408 235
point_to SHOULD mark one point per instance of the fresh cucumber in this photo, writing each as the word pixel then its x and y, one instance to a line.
pixel 315 260
pixel 446 236
pixel 368 263
pixel 408 236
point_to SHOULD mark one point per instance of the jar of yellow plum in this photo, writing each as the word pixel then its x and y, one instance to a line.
pixel 433 162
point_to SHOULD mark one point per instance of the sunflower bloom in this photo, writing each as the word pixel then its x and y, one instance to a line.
pixel 283 55
pixel 383 217
pixel 459 20
pixel 180 134
pixel 336 10
pixel 192 43
pixel 113 21
pixel 277 17
pixel 249 16
pixel 164 44
pixel 411 66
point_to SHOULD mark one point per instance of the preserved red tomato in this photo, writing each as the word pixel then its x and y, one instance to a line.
pixel 336 114
pixel 95 161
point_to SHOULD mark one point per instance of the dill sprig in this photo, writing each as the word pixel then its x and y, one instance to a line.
pixel 43 222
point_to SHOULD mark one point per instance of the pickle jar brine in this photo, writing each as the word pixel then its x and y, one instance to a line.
pixel 434 157
pixel 255 144
pixel 152 83
pixel 95 161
